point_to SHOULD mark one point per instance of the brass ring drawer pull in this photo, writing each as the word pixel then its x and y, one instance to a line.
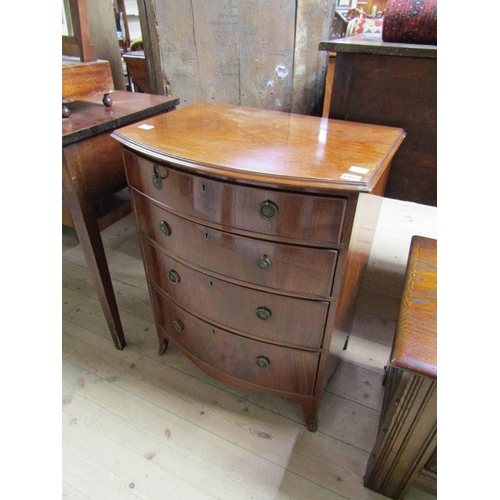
pixel 264 262
pixel 174 277
pixel 165 229
pixel 156 178
pixel 178 325
pixel 268 210
pixel 263 313
pixel 262 361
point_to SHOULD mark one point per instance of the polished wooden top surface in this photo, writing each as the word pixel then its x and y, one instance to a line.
pixel 90 117
pixel 371 44
pixel 269 147
pixel 415 343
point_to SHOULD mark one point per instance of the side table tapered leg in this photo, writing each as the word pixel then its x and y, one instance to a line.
pixel 87 230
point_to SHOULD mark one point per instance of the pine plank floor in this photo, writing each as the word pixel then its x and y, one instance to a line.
pixel 139 425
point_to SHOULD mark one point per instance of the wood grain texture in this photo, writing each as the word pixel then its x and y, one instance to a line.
pixel 102 29
pixel 216 301
pixel 287 370
pixel 120 403
pixel 92 169
pixel 78 43
pixel 319 220
pixel 303 246
pixel 253 52
pixel 266 45
pixel 295 269
pixel 85 222
pixel 198 47
pixel 137 70
pixel 415 346
pixel 90 117
pixel 83 80
pixel 268 147
pixel 314 19
pixel 407 437
pixel 370 45
pixel 148 23
pixel 384 84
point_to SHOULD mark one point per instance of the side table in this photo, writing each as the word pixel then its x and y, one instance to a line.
pixel 92 168
pixel 393 84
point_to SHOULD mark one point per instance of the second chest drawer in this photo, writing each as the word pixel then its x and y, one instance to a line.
pixel 268 316
pixel 286 268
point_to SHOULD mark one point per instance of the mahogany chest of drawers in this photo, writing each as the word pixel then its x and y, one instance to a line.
pixel 255 228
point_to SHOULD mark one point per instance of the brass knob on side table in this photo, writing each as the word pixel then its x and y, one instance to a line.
pixel 107 100
pixel 268 210
pixel 263 313
pixel 178 325
pixel 173 277
pixel 262 361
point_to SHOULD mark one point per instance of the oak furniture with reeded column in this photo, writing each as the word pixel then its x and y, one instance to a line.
pixel 405 452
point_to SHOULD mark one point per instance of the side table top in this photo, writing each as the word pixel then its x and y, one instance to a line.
pixel 415 342
pixel 90 117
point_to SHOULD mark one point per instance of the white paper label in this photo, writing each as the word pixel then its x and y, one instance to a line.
pixel 359 170
pixel 350 177
pixel 146 127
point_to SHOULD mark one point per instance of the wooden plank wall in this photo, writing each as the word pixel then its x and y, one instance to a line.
pixel 260 53
pixel 102 28
pixel 314 19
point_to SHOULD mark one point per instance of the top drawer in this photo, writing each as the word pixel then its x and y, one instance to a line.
pixel 310 218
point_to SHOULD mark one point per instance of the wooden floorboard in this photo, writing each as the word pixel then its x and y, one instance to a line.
pixel 139 425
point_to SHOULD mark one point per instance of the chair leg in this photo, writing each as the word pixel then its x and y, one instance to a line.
pixel 89 236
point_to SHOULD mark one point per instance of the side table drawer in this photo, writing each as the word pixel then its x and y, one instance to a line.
pixel 267 316
pixel 279 368
pixel 287 268
pixel 315 219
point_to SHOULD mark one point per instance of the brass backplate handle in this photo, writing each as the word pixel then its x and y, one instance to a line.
pixel 268 210
pixel 262 361
pixel 178 325
pixel 165 228
pixel 264 262
pixel 173 277
pixel 263 313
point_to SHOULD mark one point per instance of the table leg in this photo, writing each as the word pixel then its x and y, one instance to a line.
pixel 87 230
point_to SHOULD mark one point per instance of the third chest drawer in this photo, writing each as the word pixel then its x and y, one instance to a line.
pixel 268 316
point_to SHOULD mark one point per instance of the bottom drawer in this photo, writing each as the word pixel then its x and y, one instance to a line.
pixel 269 366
